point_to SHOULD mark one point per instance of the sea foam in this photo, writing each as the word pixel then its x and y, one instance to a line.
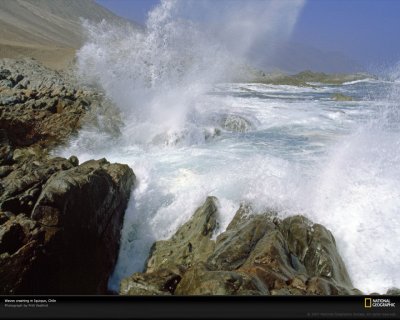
pixel 335 162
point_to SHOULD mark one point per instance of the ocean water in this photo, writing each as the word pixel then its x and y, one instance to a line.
pixel 301 152
pixel 297 150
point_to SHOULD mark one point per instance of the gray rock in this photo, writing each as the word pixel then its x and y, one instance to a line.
pixel 236 123
pixel 9 100
pixel 23 84
pixel 6 83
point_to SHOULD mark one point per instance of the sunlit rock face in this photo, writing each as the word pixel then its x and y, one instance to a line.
pixel 258 254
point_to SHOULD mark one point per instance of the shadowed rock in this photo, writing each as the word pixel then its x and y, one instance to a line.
pixel 60 224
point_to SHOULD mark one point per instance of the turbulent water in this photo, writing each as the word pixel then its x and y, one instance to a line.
pixel 188 135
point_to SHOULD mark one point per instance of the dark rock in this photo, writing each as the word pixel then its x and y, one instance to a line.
pixel 41 251
pixel 6 152
pixel 393 292
pixel 3 218
pixel 74 160
pixel 4 74
pixel 60 221
pixel 258 254
pixel 18 78
pixel 11 237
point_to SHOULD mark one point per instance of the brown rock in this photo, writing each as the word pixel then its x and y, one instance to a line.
pixel 191 243
pixel 71 240
pixel 200 281
pixel 258 254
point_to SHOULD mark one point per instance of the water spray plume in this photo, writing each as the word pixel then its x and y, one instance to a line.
pixel 188 136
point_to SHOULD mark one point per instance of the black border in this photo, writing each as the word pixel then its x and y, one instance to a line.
pixel 201 307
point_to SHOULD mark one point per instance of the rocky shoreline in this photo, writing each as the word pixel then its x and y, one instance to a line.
pixel 258 254
pixel 61 221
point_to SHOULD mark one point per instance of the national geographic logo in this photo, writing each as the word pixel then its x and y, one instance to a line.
pixel 378 303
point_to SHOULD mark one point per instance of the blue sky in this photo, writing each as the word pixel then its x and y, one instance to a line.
pixel 365 30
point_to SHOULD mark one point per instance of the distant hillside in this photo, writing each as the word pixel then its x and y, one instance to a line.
pixel 291 57
pixel 49 31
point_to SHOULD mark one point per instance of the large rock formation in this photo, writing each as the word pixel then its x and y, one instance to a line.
pixel 258 254
pixel 60 223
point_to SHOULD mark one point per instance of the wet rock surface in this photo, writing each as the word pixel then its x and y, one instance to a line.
pixel 258 254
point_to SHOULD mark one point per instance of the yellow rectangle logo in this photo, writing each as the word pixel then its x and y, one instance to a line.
pixel 368 303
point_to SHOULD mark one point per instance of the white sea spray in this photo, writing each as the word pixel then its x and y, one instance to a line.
pixel 336 162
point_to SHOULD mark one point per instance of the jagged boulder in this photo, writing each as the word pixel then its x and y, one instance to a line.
pixel 191 243
pixel 258 254
pixel 60 224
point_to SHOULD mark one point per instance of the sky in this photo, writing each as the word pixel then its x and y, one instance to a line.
pixel 367 31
